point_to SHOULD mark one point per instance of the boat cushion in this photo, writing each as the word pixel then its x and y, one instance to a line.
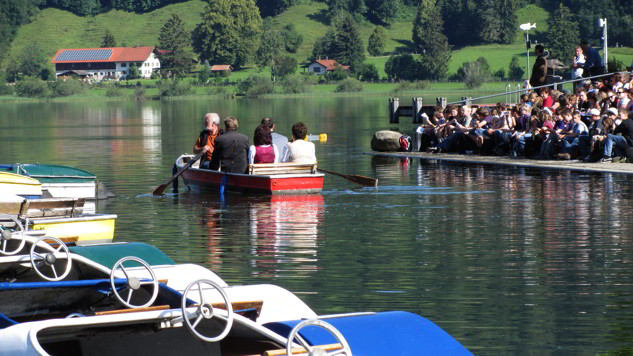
pixel 108 254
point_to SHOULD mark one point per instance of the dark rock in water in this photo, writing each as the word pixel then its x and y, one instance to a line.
pixel 103 192
pixel 386 141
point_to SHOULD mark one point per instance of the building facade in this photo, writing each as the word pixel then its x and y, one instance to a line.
pixel 106 63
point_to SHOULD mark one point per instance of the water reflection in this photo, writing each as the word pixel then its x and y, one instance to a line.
pixel 284 231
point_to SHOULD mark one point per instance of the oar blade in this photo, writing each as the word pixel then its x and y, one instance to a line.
pixel 160 189
pixel 362 180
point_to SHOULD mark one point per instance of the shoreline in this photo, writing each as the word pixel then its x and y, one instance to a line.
pixel 578 166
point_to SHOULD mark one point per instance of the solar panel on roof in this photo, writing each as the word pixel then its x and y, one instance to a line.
pixel 85 55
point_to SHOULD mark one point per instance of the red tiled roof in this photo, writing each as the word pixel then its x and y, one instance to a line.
pixel 330 64
pixel 221 67
pixel 119 54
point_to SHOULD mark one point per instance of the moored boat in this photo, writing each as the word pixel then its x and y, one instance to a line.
pixel 59 217
pixel 99 307
pixel 274 178
pixel 62 181
pixel 14 184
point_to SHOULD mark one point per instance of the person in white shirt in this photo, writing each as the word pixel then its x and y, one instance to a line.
pixel 299 150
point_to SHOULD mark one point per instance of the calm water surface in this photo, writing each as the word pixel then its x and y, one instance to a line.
pixel 509 261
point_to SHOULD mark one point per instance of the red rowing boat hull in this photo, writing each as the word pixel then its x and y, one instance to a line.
pixel 209 180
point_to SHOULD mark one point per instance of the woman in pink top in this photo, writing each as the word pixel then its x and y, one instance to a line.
pixel 263 151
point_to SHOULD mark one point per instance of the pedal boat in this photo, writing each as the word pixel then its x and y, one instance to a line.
pixel 146 304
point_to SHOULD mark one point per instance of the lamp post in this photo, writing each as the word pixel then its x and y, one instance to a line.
pixel 526 27
pixel 603 23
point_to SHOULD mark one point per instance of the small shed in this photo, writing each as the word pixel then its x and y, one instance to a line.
pixel 223 69
pixel 322 66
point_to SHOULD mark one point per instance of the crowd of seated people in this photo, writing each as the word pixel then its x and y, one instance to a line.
pixel 591 124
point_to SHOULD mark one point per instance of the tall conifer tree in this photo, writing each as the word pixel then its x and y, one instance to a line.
pixel 562 34
pixel 429 40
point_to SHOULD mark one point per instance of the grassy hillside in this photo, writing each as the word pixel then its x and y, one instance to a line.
pixel 53 29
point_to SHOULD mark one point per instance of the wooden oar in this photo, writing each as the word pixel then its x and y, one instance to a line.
pixel 161 188
pixel 362 180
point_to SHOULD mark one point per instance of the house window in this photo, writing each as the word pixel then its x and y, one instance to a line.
pixel 317 70
pixel 123 64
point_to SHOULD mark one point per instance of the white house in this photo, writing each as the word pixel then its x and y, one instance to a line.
pixel 322 66
pixel 102 63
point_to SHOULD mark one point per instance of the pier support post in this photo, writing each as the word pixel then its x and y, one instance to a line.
pixel 443 102
pixel 467 100
pixel 394 103
pixel 416 105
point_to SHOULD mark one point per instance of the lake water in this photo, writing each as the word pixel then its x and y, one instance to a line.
pixel 507 260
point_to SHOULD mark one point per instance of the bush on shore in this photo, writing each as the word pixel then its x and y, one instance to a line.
pixel 348 86
pixel 66 87
pixel 412 86
pixel 175 87
pixel 255 86
pixel 114 91
pixel 295 85
pixel 32 88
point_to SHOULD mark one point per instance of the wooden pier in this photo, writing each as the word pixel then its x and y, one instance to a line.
pixel 573 165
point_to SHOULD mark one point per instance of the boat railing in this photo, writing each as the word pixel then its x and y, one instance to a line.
pixel 509 92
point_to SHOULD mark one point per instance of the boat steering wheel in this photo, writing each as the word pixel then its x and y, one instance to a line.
pixel 205 310
pixel 7 235
pixel 314 351
pixel 49 257
pixel 133 283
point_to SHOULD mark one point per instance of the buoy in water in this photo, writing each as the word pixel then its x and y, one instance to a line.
pixel 321 137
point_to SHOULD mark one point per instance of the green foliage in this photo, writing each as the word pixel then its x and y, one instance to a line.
pixel 14 13
pixel 273 7
pixel 139 6
pixel 204 75
pixel 284 66
pixel 132 72
pixel 270 46
pixel 474 75
pixel 175 87
pixel 78 7
pixel 349 85
pixel 66 87
pixel 367 72
pixel 402 67
pixel 498 22
pixel 348 47
pixel 383 11
pixel 337 8
pixel 430 41
pixel 174 41
pixel 515 72
pixel 32 62
pixel 500 74
pixel 376 42
pixel 322 46
pixel 563 35
pixel 32 87
pixel 255 86
pixel 615 65
pixel 6 89
pixel 114 91
pixel 108 40
pixel 295 84
pixel 228 33
pixel 417 85
pixel 337 75
pixel 139 94
pixel 292 38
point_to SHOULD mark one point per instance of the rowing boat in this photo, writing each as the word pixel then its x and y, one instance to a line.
pixel 14 184
pixel 274 178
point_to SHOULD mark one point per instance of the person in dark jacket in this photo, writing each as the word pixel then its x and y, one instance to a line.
pixel 231 149
pixel 620 140
pixel 539 71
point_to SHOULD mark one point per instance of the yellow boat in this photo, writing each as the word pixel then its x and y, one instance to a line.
pixel 61 218
pixel 15 184
pixel 80 230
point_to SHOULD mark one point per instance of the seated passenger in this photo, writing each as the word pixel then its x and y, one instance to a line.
pixel 231 149
pixel 206 139
pixel 299 150
pixel 263 151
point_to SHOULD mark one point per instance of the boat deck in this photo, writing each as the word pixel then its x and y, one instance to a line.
pixel 622 168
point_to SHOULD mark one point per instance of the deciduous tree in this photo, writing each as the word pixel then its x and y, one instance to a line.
pixel 273 7
pixel 173 42
pixel 229 32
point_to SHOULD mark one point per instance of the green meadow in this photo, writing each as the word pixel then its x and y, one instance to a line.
pixel 53 29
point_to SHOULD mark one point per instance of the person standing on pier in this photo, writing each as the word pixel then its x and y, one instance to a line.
pixel 593 62
pixel 539 70
pixel 206 139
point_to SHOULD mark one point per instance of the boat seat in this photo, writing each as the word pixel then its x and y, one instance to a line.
pixel 267 169
pixel 300 351
pixel 136 310
pixel 44 208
